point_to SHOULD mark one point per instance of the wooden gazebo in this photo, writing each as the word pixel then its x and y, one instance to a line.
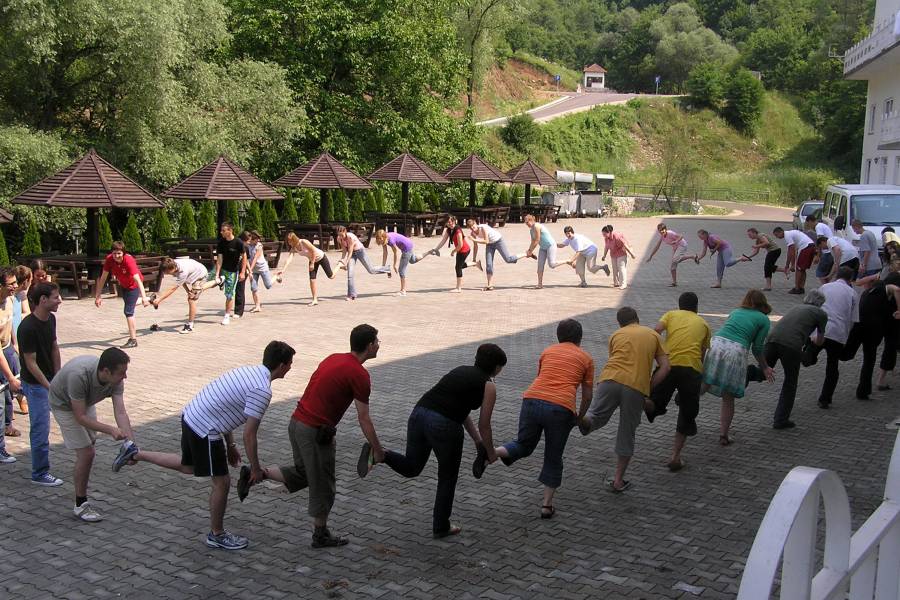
pixel 530 174
pixel 5 216
pixel 90 183
pixel 322 173
pixel 407 169
pixel 222 180
pixel 473 168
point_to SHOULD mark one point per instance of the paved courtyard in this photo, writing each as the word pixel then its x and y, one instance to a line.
pixel 683 535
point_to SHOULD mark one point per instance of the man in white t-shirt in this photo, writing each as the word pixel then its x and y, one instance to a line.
pixel 843 254
pixel 585 254
pixel 238 397
pixel 801 252
pixel 819 229
pixel 190 275
pixel 841 307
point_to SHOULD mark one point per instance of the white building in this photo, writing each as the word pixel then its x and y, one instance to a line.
pixel 876 59
pixel 595 77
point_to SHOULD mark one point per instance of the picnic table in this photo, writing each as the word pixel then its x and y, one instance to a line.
pixel 409 223
pixel 543 213
pixel 81 272
pixel 495 216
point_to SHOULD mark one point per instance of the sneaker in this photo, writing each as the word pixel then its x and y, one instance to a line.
pixel 605 269
pixel 322 538
pixel 226 320
pixel 126 453
pixel 47 480
pixel 366 460
pixel 88 513
pixel 6 458
pixel 220 281
pixel 236 316
pixel 784 425
pixel 797 291
pixel 152 300
pixel 243 484
pixel 131 343
pixel 480 463
pixel 186 329
pixel 226 541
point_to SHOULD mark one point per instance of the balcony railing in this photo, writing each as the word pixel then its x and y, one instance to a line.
pixel 882 38
pixel 890 129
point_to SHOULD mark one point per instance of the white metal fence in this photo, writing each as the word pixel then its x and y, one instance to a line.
pixel 866 564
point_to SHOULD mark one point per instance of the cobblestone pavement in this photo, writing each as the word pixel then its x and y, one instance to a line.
pixel 670 536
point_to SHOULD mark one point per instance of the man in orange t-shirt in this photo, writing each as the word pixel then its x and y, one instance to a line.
pixel 548 407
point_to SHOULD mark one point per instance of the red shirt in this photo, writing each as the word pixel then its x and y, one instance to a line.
pixel 615 243
pixel 459 240
pixel 338 381
pixel 124 271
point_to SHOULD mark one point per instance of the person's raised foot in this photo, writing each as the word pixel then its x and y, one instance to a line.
pixel 697 260
pixel 6 458
pixel 11 431
pixel 584 426
pixel 322 538
pixel 454 530
pixel 23 405
pixel 47 480
pixel 220 281
pixel 226 541
pixel 480 463
pixel 366 460
pixel 131 343
pixel 478 265
pixel 676 465
pixel 87 513
pixel 784 425
pixel 617 489
pixel 243 483
pixel 547 512
pixel 126 453
pixel 605 269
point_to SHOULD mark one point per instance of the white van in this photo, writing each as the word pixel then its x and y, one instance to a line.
pixel 877 206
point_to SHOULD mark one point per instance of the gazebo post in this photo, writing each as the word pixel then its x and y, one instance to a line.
pixel 471 192
pixel 92 233
pixel 404 197
pixel 323 206
pixel 527 194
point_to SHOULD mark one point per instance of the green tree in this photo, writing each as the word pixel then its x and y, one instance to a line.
pixel 479 23
pixel 743 101
pixel 371 205
pixel 309 213
pixel 187 221
pixel 357 206
pixel 417 203
pixel 706 86
pixel 341 208
pixel 489 196
pixel 206 224
pixel 131 237
pixel 379 199
pixel 31 245
pixel 4 252
pixel 269 221
pixel 104 232
pixel 253 218
pixel 289 210
pixel 233 215
pixel 521 132
pixel 331 196
pixel 503 198
pixel 162 228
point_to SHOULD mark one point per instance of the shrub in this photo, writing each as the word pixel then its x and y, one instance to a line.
pixel 341 206
pixel 503 198
pixel 4 253
pixel 743 101
pixel 32 242
pixel 104 232
pixel 357 206
pixel 515 195
pixel 289 210
pixel 187 221
pixel 308 210
pixel 162 228
pixel 206 224
pixel 417 203
pixel 233 215
pixel 253 218
pixel 379 200
pixel 371 205
pixel 131 237
pixel 269 219
pixel 706 86
pixel 521 132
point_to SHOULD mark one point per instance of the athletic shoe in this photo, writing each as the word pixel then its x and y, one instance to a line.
pixel 226 541
pixel 88 513
pixel 365 460
pixel 797 291
pixel 47 480
pixel 186 329
pixel 220 281
pixel 152 300
pixel 236 316
pixel 131 343
pixel 126 453
pixel 480 463
pixel 605 269
pixel 323 539
pixel 243 484
pixel 226 320
pixel 6 458
pixel 784 425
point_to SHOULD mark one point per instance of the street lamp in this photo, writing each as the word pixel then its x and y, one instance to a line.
pixel 77 230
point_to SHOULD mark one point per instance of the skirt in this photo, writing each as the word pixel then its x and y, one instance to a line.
pixel 725 368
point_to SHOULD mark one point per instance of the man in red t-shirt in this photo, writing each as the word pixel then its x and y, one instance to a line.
pixel 338 381
pixel 128 275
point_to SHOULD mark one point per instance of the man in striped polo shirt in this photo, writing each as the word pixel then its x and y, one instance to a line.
pixel 238 397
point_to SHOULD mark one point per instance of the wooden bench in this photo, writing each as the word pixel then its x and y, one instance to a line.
pixel 69 273
pixel 151 270
pixel 203 251
pixel 364 230
pixel 316 233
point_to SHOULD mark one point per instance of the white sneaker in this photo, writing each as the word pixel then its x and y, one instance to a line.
pixel 186 329
pixel 236 316
pixel 6 458
pixel 226 320
pixel 88 513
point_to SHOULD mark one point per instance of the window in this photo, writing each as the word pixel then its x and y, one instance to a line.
pixel 872 119
pixel 880 209
pixel 882 179
pixel 897 171
pixel 867 171
pixel 888 107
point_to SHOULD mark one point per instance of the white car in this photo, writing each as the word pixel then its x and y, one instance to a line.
pixel 877 206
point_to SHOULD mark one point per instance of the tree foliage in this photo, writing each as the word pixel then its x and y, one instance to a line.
pixel 289 210
pixel 162 228
pixel 269 229
pixel 187 221
pixel 104 232
pixel 743 101
pixel 32 242
pixel 206 223
pixel 253 218
pixel 706 86
pixel 521 132
pixel 131 236
pixel 309 212
pixel 4 252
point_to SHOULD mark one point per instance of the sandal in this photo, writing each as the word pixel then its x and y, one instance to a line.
pixel 611 486
pixel 676 466
pixel 547 512
pixel 11 431
pixel 454 530
pixel 724 440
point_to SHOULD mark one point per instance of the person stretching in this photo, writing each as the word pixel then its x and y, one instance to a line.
pixel 801 252
pixel 773 253
pixel 259 269
pixel 619 251
pixel 679 247
pixel 716 245
pixel 493 241
pixel 353 251
pixel 402 245
pixel 585 254
pixel 454 233
pixel 542 239
pixel 190 275
pixel 316 259
pixel 129 277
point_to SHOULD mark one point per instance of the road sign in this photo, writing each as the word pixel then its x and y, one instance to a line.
pixel 557 78
pixel 658 79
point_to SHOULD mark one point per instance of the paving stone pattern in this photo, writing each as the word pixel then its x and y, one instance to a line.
pixel 683 535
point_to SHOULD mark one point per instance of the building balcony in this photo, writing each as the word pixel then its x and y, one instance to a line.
pixel 890 132
pixel 879 52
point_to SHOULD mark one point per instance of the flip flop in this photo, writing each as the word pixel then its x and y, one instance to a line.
pixel 610 486
pixel 724 440
pixel 547 512
pixel 365 460
pixel 676 466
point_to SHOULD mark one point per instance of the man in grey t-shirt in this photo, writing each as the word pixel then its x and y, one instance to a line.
pixel 74 392
pixel 869 261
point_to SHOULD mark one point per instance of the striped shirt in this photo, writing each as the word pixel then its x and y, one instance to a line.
pixel 225 403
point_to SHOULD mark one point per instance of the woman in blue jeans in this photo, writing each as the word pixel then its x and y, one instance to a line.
pixel 437 423
pixel 352 250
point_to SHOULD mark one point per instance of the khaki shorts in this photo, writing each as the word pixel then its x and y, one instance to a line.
pixel 75 435
pixel 313 468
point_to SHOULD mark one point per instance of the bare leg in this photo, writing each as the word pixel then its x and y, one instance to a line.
pixel 726 415
pixel 256 300
pixel 192 310
pixel 403 284
pixel 677 447
pixel 165 460
pixel 229 306
pixel 312 290
pixel 621 466
pixel 674 273
pixel 132 329
pixel 218 500
pixel 84 458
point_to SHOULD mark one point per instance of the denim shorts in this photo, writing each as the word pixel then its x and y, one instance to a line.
pixel 130 297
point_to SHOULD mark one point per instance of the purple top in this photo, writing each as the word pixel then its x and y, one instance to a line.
pixel 399 241
pixel 712 240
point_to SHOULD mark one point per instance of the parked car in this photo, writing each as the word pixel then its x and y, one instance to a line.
pixel 809 207
pixel 877 206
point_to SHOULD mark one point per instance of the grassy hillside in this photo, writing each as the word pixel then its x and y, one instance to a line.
pixel 519 84
pixel 631 141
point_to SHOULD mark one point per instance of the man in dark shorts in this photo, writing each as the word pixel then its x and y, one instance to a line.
pixel 687 340
pixel 128 275
pixel 339 380
pixel 231 260
pixel 801 252
pixel 238 397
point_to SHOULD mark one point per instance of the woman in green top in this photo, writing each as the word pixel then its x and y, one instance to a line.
pixel 725 365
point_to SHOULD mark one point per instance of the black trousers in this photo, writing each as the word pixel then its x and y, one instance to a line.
pixel 891 339
pixel 770 265
pixel 834 352
pixel 790 361
pixel 239 294
pixel 869 336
